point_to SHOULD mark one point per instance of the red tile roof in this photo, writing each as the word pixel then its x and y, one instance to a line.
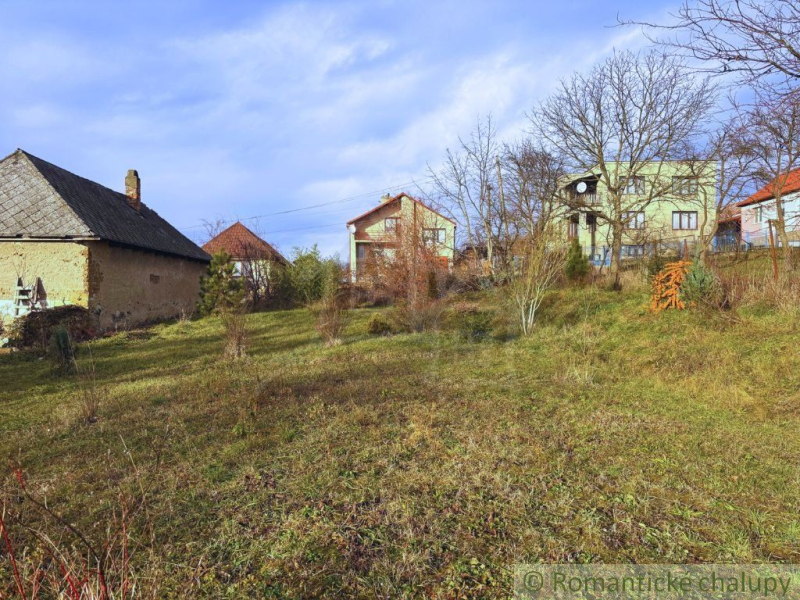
pixel 394 199
pixel 238 241
pixel 792 184
pixel 732 212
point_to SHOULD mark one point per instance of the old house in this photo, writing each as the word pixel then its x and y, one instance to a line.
pixel 255 259
pixel 67 240
pixel 397 223
pixel 759 212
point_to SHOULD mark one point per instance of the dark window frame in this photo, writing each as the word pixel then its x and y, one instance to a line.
pixel 440 232
pixel 633 221
pixel 639 184
pixel 685 185
pixel 687 214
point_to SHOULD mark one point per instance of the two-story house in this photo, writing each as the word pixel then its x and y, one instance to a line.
pixel 665 203
pixel 759 210
pixel 398 222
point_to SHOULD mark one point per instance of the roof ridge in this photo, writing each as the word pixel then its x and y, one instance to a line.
pixel 86 179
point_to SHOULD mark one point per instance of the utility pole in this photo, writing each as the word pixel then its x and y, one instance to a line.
pixel 502 196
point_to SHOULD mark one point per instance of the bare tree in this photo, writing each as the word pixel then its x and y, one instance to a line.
pixel 412 268
pixel 213 227
pixel 467 188
pixel 541 263
pixel 534 176
pixel 719 172
pixel 754 39
pixel 620 122
pixel 772 126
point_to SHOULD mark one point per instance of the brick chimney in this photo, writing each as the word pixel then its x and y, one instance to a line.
pixel 133 189
pixel 385 198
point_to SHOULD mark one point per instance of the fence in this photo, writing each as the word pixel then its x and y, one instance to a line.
pixel 724 242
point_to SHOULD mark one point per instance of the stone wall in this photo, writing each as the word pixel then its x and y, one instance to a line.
pixel 129 287
pixel 62 267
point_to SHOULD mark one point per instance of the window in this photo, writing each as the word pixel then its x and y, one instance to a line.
pixel 237 268
pixel 759 214
pixel 684 219
pixel 433 236
pixel 632 250
pixel 391 224
pixel 361 252
pixel 633 186
pixel 684 186
pixel 633 219
pixel 572 231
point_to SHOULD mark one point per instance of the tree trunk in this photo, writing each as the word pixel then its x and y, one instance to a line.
pixel 616 251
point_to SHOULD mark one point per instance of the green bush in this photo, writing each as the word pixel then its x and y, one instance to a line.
pixel 61 352
pixel 310 277
pixel 220 289
pixel 577 266
pixel 700 285
pixel 379 325
pixel 655 265
pixel 471 322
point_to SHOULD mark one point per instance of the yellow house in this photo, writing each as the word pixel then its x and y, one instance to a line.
pixel 397 222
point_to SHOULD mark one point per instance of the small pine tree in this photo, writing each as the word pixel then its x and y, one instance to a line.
pixel 700 285
pixel 221 289
pixel 577 266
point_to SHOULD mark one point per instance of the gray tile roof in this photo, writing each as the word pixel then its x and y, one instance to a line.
pixel 41 200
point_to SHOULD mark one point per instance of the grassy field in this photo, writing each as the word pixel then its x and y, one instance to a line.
pixel 423 465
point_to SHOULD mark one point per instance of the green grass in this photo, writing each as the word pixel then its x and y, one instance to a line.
pixel 421 465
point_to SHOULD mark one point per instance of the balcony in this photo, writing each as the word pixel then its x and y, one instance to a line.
pixel 585 199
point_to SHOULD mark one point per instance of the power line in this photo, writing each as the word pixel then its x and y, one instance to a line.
pixel 313 206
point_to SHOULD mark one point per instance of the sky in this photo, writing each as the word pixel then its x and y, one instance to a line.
pixel 244 109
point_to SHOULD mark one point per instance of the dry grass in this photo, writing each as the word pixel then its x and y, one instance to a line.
pixel 422 465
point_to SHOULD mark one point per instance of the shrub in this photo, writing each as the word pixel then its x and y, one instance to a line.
pixel 577 267
pixel 310 276
pixel 655 264
pixel 471 323
pixel 235 323
pixel 415 317
pixel 61 352
pixel 699 285
pixel 220 289
pixel 331 315
pixel 36 328
pixel 92 395
pixel 379 325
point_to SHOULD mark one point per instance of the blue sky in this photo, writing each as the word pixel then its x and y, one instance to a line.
pixel 235 109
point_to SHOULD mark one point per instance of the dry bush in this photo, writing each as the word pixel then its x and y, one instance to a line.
pixel 415 316
pixel 416 278
pixel 379 325
pixel 782 295
pixel 65 562
pixel 331 314
pixel 235 323
pixel 92 395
